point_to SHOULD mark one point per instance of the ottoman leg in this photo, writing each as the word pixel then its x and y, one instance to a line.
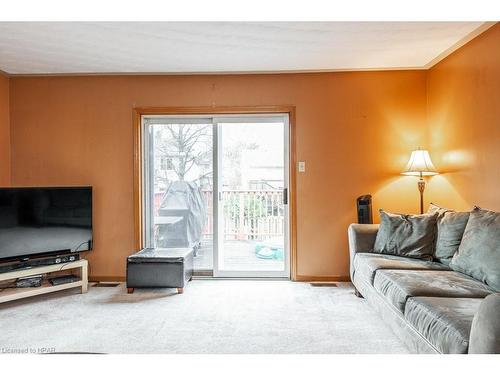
pixel 180 290
pixel 130 290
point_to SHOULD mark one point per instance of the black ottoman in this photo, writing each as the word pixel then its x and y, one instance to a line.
pixel 160 268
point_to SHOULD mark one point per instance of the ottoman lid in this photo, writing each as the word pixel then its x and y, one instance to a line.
pixel 160 255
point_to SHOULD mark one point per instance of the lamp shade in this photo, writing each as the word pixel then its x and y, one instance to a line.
pixel 420 164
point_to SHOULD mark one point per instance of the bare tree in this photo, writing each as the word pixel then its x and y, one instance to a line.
pixel 187 145
pixel 190 145
pixel 233 153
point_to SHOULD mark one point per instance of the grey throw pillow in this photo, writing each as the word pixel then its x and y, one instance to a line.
pixel 406 235
pixel 479 253
pixel 450 230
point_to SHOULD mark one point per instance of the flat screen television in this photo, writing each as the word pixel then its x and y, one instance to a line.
pixel 44 221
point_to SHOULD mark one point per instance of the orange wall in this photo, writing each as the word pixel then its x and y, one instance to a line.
pixel 4 131
pixel 464 124
pixel 354 130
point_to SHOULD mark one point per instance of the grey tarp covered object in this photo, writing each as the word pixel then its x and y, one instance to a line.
pixel 185 199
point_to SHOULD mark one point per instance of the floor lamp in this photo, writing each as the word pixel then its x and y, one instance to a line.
pixel 420 165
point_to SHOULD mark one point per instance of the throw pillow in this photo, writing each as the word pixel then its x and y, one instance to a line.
pixel 406 235
pixel 450 230
pixel 433 208
pixel 479 252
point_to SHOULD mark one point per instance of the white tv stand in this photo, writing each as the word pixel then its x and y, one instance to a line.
pixel 11 294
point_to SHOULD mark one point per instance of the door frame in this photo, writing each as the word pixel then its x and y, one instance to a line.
pixel 139 172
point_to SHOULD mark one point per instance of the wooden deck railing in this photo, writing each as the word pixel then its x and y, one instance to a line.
pixel 247 214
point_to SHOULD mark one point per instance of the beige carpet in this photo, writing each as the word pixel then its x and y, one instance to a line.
pixel 212 316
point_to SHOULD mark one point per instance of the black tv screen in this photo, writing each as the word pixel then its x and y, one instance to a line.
pixel 44 220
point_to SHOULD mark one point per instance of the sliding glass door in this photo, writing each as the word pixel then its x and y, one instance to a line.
pixel 219 184
pixel 252 186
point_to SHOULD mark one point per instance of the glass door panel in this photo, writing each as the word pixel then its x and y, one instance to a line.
pixel 252 195
pixel 181 186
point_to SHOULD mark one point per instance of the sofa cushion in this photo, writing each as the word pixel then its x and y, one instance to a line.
pixel 479 253
pixel 406 235
pixel 444 322
pixel 366 264
pixel 399 285
pixel 450 230
pixel 485 330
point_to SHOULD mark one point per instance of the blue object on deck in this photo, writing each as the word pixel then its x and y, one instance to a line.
pixel 267 250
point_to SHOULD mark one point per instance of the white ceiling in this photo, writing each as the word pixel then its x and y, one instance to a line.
pixel 209 47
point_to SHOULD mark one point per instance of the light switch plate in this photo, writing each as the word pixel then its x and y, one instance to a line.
pixel 302 166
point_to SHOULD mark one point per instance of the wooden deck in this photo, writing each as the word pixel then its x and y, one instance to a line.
pixel 238 256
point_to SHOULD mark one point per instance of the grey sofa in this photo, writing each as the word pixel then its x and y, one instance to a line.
pixel 430 307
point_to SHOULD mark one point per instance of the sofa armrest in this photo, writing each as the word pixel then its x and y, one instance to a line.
pixel 361 240
pixel 485 330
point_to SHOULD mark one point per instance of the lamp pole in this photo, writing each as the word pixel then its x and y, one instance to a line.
pixel 421 188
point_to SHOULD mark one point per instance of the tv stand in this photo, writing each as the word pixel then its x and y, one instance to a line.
pixel 11 294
